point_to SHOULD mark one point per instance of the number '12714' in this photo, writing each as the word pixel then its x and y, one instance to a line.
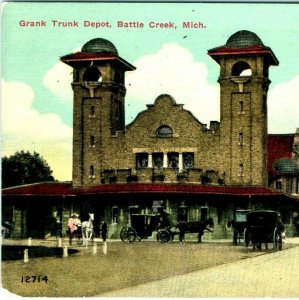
pixel 34 278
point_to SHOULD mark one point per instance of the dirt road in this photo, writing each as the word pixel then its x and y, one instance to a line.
pixel 125 265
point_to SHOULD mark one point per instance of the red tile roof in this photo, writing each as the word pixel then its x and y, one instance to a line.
pixel 72 58
pixel 217 52
pixel 41 189
pixel 87 56
pixel 65 189
pixel 278 146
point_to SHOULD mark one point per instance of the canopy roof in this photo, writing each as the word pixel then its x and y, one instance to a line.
pixel 66 189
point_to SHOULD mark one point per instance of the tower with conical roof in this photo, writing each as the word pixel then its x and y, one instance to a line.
pixel 99 101
pixel 244 80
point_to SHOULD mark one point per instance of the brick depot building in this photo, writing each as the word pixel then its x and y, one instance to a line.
pixel 165 157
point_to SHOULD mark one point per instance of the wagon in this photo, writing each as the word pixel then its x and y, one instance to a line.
pixel 263 226
pixel 140 226
pixel 143 225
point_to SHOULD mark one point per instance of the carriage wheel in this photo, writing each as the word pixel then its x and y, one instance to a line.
pixel 277 240
pixel 163 236
pixel 128 234
pixel 246 238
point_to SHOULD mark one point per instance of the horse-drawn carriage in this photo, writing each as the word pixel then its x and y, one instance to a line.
pixel 238 224
pixel 140 226
pixel 143 226
pixel 263 227
pixel 167 234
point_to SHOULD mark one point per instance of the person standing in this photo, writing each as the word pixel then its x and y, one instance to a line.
pixel 74 227
pixel 57 224
pixel 103 230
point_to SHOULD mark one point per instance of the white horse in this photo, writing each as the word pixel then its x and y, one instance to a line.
pixel 87 228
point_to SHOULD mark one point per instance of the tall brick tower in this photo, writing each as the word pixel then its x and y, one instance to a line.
pixel 99 101
pixel 244 67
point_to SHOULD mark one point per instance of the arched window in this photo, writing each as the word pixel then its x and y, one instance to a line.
pixel 164 131
pixel 241 68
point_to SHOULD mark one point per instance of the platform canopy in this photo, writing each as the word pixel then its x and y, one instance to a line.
pixel 66 189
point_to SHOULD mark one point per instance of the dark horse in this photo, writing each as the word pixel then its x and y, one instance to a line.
pixel 194 227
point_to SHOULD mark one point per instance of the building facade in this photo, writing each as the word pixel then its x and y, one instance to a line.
pixel 283 163
pixel 166 142
pixel 166 157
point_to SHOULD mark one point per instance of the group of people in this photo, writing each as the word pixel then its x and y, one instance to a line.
pixel 74 226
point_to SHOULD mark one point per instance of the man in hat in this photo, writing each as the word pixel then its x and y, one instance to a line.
pixel 103 230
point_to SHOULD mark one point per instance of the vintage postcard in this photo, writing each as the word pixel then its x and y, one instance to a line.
pixel 150 149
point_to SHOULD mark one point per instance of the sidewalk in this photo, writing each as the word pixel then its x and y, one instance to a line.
pixel 273 275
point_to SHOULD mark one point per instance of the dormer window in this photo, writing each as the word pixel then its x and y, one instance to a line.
pixel 164 132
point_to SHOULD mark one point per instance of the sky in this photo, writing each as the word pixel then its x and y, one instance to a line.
pixel 36 94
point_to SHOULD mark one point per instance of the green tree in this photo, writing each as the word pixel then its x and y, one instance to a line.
pixel 23 168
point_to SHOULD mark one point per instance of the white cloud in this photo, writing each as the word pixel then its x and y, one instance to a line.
pixel 172 70
pixel 283 107
pixel 24 128
pixel 58 80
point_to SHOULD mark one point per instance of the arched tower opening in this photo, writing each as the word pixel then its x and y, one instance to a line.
pixel 92 74
pixel 241 68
